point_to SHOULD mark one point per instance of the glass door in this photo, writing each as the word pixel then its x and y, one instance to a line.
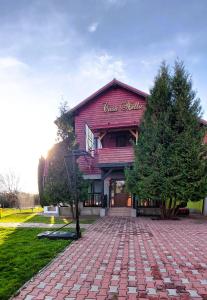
pixel 118 194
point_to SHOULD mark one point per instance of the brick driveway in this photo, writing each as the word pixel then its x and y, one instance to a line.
pixel 128 258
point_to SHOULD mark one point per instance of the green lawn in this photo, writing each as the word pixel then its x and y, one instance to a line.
pixel 10 211
pixel 22 255
pixel 35 218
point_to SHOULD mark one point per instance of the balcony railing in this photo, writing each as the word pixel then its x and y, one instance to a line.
pixel 94 200
pixel 115 155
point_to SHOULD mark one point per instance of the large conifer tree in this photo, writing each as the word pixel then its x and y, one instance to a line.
pixel 188 164
pixel 170 158
pixel 148 179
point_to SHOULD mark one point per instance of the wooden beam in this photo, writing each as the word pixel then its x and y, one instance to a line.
pixel 102 135
pixel 135 134
pixel 108 173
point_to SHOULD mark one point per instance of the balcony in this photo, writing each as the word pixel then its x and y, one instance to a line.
pixel 114 155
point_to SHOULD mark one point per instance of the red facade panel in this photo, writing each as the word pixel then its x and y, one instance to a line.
pixel 115 108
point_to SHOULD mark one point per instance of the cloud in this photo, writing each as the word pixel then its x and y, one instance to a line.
pixel 93 71
pixel 184 40
pixel 11 62
pixel 93 27
pixel 116 2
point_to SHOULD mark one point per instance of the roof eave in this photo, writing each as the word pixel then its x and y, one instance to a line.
pixel 112 83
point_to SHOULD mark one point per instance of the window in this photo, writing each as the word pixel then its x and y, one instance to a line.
pixel 121 140
pixel 89 139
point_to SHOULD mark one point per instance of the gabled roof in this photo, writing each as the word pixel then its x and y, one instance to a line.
pixel 204 122
pixel 113 83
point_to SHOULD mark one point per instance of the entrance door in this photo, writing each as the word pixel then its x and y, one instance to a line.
pixel 119 195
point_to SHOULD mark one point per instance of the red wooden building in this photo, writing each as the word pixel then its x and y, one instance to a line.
pixel 106 125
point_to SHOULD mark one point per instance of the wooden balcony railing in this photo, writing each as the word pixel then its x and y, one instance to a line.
pixel 115 155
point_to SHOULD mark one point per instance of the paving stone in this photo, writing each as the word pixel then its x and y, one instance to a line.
pixel 76 287
pixel 41 285
pixel 59 286
pixel 29 297
pixel 149 279
pixel 151 291
pixel 167 280
pixel 99 276
pixel 132 290
pixel 131 278
pixel 172 292
pixel 193 293
pixel 184 280
pixel 115 277
pixel 203 281
pixel 195 272
pixel 94 288
pixel 113 289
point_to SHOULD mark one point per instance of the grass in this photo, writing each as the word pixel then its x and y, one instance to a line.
pixel 33 218
pixel 22 255
pixel 10 211
pixel 29 217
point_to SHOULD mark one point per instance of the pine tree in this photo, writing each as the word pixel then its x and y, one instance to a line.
pixel 149 179
pixel 188 162
pixel 170 157
pixel 40 174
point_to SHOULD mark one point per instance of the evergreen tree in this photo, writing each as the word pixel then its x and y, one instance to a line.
pixel 59 183
pixel 188 163
pixel 41 167
pixel 170 157
pixel 148 179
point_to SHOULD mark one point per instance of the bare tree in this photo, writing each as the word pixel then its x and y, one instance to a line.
pixel 9 189
pixel 9 182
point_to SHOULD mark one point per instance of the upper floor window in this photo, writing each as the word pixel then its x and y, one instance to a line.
pixel 89 139
pixel 121 140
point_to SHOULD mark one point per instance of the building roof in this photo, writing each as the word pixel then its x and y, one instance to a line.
pixel 204 122
pixel 113 83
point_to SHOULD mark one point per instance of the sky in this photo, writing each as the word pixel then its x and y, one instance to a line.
pixel 63 50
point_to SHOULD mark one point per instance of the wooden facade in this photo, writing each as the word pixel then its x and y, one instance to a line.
pixel 106 125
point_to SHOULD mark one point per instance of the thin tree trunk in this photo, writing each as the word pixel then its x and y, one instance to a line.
pixel 72 211
pixel 174 207
pixel 169 208
pixel 163 209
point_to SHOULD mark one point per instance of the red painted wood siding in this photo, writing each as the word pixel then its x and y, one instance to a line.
pixel 94 116
pixel 205 139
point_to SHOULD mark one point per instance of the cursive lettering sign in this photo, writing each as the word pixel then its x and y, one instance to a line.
pixel 125 106
pixel 110 108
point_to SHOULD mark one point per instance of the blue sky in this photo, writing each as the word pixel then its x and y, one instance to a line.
pixel 52 51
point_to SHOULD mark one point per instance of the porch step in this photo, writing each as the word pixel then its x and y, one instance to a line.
pixel 120 212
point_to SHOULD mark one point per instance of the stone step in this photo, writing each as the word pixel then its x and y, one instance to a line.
pixel 120 211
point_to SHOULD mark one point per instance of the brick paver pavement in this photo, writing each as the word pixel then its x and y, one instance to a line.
pixel 128 258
